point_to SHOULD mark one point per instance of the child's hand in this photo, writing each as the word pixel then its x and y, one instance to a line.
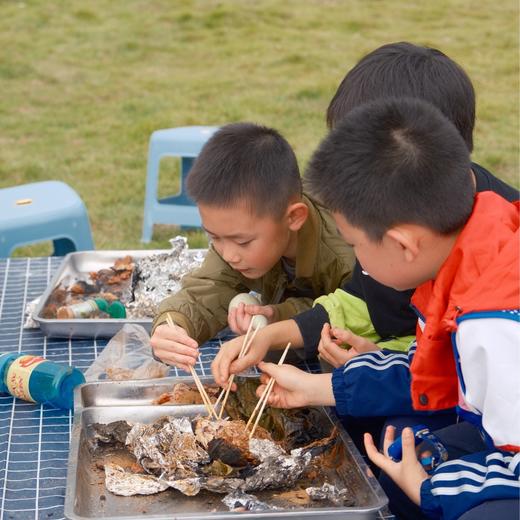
pixel 173 346
pixel 330 350
pixel 294 388
pixel 407 474
pixel 226 362
pixel 240 317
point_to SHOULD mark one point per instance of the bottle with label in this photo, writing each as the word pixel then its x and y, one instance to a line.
pixel 89 308
pixel 38 380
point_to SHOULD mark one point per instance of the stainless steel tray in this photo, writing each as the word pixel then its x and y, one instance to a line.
pixel 78 264
pixel 86 495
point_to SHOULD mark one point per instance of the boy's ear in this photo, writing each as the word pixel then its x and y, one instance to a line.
pixel 407 240
pixel 297 214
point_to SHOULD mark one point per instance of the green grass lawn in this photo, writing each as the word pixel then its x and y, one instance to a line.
pixel 83 84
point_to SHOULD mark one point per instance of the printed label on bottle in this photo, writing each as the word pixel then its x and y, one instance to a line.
pixel 84 309
pixel 19 374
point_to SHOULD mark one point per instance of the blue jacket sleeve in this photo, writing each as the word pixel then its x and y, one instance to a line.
pixel 462 484
pixel 374 384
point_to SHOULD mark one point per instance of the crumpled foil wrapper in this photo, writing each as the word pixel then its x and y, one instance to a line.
pixel 329 492
pixel 264 449
pixel 158 276
pixel 278 472
pixel 240 501
pixel 127 484
pixel 167 448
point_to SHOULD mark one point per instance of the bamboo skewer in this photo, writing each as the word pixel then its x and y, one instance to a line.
pixel 205 398
pixel 265 396
pixel 243 351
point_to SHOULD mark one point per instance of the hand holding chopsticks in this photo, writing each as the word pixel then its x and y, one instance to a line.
pixel 265 396
pixel 243 351
pixel 205 398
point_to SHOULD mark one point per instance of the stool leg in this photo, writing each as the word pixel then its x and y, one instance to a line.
pixel 147 229
pixel 152 186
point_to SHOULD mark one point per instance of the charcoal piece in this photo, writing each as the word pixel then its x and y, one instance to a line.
pixel 220 449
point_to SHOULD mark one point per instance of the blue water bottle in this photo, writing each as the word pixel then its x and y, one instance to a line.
pixel 35 379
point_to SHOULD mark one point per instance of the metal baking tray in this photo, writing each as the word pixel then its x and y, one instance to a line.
pixel 78 264
pixel 87 498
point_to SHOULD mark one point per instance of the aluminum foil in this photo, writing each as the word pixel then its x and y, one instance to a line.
pixel 158 276
pixel 264 449
pixel 240 501
pixel 127 484
pixel 167 448
pixel 277 472
pixel 331 493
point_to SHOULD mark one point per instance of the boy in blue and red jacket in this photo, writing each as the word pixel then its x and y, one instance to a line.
pixel 396 175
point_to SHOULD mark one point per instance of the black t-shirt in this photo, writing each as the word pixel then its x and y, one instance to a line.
pixel 389 310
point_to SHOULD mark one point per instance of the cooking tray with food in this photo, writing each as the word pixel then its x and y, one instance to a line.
pixel 148 449
pixel 135 280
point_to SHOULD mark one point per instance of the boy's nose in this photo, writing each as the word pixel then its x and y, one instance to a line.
pixel 231 255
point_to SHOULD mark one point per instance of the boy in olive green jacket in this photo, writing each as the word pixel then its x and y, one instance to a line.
pixel 266 236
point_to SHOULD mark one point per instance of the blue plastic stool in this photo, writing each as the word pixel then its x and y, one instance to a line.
pixel 40 211
pixel 186 143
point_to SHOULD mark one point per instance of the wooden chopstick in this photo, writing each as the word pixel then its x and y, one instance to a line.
pixel 243 351
pixel 205 398
pixel 265 396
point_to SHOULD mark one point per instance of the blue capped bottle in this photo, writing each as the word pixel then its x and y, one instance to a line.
pixel 35 379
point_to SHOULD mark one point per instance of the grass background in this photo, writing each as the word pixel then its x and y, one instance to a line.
pixel 83 84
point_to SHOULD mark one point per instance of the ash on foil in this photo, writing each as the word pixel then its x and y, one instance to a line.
pixel 197 454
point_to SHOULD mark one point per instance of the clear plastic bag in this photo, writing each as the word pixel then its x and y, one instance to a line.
pixel 128 355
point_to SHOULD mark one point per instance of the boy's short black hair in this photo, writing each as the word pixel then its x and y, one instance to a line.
pixel 406 70
pixel 245 162
pixel 391 162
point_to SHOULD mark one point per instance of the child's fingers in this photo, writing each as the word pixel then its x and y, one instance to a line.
pixel 360 343
pixel 240 312
pixel 325 354
pixel 260 389
pixel 375 456
pixel 264 378
pixel 263 310
pixel 325 332
pixel 343 335
pixel 409 454
pixel 222 361
pixel 232 320
pixel 270 369
pixel 254 309
pixel 388 438
pixel 240 364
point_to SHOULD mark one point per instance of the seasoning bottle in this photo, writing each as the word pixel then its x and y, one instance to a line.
pixel 88 308
pixel 35 379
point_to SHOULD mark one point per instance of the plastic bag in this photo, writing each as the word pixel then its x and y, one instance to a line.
pixel 128 355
